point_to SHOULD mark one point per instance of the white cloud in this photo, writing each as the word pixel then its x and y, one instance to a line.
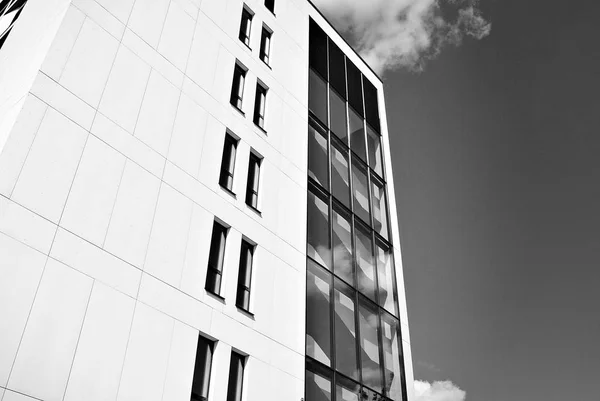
pixel 438 391
pixel 404 33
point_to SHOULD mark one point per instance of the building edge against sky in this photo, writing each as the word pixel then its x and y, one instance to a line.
pixel 151 216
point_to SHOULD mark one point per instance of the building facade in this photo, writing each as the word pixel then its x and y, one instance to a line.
pixel 196 203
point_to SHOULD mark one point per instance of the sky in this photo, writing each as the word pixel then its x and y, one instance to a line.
pixel 496 146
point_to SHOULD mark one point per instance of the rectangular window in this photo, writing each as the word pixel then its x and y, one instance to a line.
pixel 370 345
pixel 228 162
pixel 342 244
pixel 270 4
pixel 201 380
pixel 357 134
pixel 253 181
pixel 317 386
pixel 346 360
pixel 374 145
pixel 319 245
pixel 337 117
pixel 317 49
pixel 236 377
pixel 317 156
pixel 317 97
pixel 260 104
pixel 265 45
pixel 215 259
pixel 360 184
pixel 245 26
pixel 318 318
pixel 365 262
pixel 340 178
pixel 237 88
pixel 379 207
pixel 245 276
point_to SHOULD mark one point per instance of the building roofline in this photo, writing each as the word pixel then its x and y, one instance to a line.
pixel 345 41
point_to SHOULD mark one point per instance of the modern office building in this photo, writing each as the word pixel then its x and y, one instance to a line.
pixel 196 203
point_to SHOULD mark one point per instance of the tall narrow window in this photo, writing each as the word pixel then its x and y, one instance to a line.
pixel 253 181
pixel 236 377
pixel 265 45
pixel 245 276
pixel 228 162
pixel 201 380
pixel 215 259
pixel 245 27
pixel 237 88
pixel 270 4
pixel 260 104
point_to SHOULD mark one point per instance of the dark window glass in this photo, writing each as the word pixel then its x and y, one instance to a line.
pixel 318 383
pixel 371 104
pixel 260 104
pixel 236 377
pixel 386 277
pixel 270 4
pixel 319 247
pixel 355 97
pixel 317 49
pixel 317 97
pixel 201 381
pixel 245 276
pixel 337 69
pixel 253 181
pixel 364 260
pixel 338 123
pixel 317 156
pixel 9 13
pixel 237 89
pixel 340 176
pixel 374 144
pixel 369 344
pixel 265 45
pixel 318 318
pixel 347 390
pixel 346 361
pixel 392 354
pixel 228 162
pixel 245 27
pixel 342 245
pixel 357 135
pixel 370 395
pixel 360 187
pixel 380 221
pixel 215 259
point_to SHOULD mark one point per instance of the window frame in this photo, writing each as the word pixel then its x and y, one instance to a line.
pixel 211 347
pixel 260 105
pixel 266 38
pixel 239 389
pixel 249 248
pixel 272 7
pixel 236 98
pixel 253 181
pixel 221 230
pixel 227 170
pixel 246 22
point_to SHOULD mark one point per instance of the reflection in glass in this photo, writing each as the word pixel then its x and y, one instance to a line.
pixel 338 116
pixel 357 134
pixel 317 156
pixel 380 223
pixel 319 247
pixel 342 247
pixel 346 390
pixel 318 323
pixel 364 261
pixel 317 387
pixel 385 278
pixel 391 357
pixel 340 180
pixel 337 69
pixel 355 93
pixel 361 191
pixel 317 97
pixel 369 344
pixel 374 143
pixel 345 330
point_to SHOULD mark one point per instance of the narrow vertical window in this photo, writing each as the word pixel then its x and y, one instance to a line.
pixel 237 88
pixel 253 181
pixel 270 4
pixel 201 380
pixel 245 27
pixel 245 276
pixel 260 104
pixel 236 377
pixel 228 162
pixel 215 259
pixel 265 45
pixel 318 313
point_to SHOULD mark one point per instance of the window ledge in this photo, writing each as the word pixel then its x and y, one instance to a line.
pixel 229 191
pixel 215 295
pixel 247 46
pixel 255 210
pixel 238 109
pixel 267 64
pixel 245 312
pixel 264 131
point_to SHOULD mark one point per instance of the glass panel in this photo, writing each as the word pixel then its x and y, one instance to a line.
pixel 217 247
pixel 228 163
pixel 375 159
pixel 371 104
pixel 364 261
pixel 346 390
pixel 317 97
pixel 392 357
pixel 270 4
pixel 318 388
pixel 245 26
pixel 236 377
pixel 386 278
pixel 318 323
pixel 319 246
pixel 265 45
pixel 369 343
pixel 340 180
pixel 380 222
pixel 338 116
pixel 370 395
pixel 317 157
pixel 317 49
pixel 355 97
pixel 357 135
pixel 337 69
pixel 361 194
pixel 342 247
pixel 244 276
pixel 345 330
pixel 201 381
